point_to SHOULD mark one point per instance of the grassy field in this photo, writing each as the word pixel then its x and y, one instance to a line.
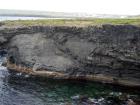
pixel 73 22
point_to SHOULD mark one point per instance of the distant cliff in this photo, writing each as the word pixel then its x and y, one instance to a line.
pixel 47 14
pixel 107 53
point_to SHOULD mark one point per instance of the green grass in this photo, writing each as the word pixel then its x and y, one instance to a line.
pixel 72 22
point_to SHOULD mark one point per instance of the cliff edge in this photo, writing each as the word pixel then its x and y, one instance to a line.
pixel 106 53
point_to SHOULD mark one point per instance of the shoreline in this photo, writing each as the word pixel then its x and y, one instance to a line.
pixel 87 50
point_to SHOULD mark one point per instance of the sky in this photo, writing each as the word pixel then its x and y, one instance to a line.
pixel 122 7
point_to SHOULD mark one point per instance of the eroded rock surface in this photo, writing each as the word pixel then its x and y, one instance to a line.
pixel 108 50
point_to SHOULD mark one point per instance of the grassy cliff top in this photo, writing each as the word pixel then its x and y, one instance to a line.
pixel 72 22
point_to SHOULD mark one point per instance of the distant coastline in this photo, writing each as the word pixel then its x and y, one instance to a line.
pixel 49 14
pixel 34 15
pixel 4 18
pixel 42 14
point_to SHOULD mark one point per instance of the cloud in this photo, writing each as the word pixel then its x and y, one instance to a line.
pixel 87 6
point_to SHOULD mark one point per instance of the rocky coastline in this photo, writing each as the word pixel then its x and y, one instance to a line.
pixel 106 53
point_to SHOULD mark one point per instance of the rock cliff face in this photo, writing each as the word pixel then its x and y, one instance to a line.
pixel 107 53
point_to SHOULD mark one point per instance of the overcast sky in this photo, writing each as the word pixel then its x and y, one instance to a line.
pixel 129 7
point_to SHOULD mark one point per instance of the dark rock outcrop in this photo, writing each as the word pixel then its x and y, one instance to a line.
pixel 107 53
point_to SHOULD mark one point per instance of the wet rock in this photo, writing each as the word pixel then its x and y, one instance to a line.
pixel 3 52
pixel 4 64
pixel 114 98
pixel 131 102
pixel 85 100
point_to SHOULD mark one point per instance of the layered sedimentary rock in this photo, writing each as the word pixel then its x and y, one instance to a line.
pixel 107 53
